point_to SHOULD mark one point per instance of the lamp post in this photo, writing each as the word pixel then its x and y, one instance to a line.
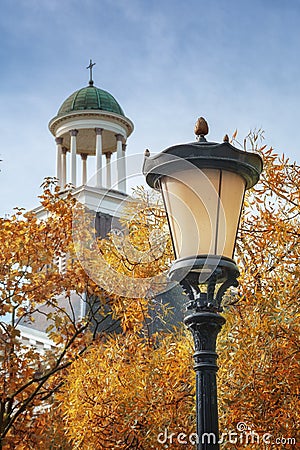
pixel 203 186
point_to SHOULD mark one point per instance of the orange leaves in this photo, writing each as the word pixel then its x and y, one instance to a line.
pixel 142 246
pixel 127 389
pixel 132 386
pixel 30 289
pixel 259 364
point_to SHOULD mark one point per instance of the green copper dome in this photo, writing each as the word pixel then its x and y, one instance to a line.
pixel 90 97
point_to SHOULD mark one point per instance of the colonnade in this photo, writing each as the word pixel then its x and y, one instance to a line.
pixel 61 161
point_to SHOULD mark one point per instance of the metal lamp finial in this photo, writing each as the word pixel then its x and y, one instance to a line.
pixel 201 128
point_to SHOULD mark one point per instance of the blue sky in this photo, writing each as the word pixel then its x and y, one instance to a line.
pixel 167 62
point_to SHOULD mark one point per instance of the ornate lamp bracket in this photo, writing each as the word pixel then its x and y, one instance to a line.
pixel 211 300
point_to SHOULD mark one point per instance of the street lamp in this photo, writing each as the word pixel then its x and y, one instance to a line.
pixel 203 186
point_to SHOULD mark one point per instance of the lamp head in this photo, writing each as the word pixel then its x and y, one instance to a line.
pixel 203 186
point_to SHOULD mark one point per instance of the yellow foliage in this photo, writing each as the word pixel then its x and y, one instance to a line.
pixel 30 288
pixel 128 389
pixel 125 391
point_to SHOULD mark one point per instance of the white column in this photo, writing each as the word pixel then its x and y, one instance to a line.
pixel 108 170
pixel 59 142
pixel 63 167
pixel 98 157
pixel 124 166
pixel 84 171
pixel 73 134
pixel 120 168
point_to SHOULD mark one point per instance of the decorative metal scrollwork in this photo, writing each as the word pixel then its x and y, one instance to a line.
pixel 210 300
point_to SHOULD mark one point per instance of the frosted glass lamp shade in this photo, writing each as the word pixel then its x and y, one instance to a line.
pixel 203 208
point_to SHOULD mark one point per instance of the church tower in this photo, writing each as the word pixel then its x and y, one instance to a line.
pixel 91 128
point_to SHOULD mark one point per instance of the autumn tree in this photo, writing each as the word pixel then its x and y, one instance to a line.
pixel 260 348
pixel 126 390
pixel 32 288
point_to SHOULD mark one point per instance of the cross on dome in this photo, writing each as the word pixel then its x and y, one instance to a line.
pixel 90 66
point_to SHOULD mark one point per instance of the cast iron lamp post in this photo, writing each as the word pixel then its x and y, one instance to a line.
pixel 203 186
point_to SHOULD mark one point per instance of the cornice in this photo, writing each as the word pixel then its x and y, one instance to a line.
pixel 58 120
